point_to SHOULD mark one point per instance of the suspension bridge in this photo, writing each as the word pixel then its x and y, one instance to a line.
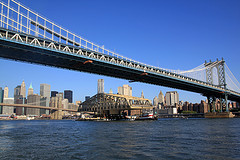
pixel 27 36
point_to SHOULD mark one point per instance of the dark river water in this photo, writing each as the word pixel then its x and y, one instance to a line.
pixel 162 139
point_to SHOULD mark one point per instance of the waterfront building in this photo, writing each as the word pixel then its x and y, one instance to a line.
pixel 8 110
pixel 68 94
pixel 5 92
pixel 115 104
pixel 100 86
pixel 30 90
pixel 54 93
pixel 1 98
pixel 33 100
pixel 125 90
pixel 23 89
pixel 161 98
pixel 172 98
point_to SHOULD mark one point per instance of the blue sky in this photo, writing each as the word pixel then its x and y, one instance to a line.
pixel 174 34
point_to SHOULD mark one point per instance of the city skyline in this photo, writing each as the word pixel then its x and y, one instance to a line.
pixel 197 38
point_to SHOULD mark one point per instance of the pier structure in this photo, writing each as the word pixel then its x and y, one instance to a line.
pixel 104 104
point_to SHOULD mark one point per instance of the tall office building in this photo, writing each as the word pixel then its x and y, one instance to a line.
pixel 100 86
pixel 172 98
pixel 30 90
pixel 17 90
pixel 45 91
pixel 33 100
pixel 17 93
pixel 125 90
pixel 1 98
pixel 23 89
pixel 53 93
pixel 68 94
pixel 161 99
pixel 5 92
pixel 18 99
pixel 43 102
pixel 8 110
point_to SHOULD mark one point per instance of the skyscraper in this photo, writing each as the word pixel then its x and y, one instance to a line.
pixel 172 98
pixel 17 92
pixel 30 90
pixel 8 110
pixel 125 90
pixel 23 89
pixel 45 91
pixel 53 93
pixel 33 100
pixel 5 92
pixel 18 99
pixel 161 98
pixel 68 94
pixel 100 86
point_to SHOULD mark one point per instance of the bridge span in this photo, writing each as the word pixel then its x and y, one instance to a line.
pixel 40 107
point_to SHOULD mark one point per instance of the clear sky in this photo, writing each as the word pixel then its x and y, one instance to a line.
pixel 173 34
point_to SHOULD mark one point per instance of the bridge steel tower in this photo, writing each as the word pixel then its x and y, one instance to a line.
pixel 221 82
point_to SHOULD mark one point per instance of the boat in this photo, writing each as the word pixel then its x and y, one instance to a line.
pixel 147 116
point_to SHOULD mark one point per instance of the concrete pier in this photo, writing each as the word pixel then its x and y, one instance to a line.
pixel 218 115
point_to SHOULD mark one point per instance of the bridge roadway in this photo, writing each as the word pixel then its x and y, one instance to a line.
pixel 28 48
pixel 40 107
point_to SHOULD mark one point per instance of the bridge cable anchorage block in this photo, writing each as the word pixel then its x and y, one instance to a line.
pixel 88 61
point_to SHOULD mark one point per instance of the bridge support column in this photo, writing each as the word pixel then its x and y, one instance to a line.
pixel 211 104
pixel 221 104
pixel 214 104
pixel 226 101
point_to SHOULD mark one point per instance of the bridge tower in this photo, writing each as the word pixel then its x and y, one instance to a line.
pixel 221 82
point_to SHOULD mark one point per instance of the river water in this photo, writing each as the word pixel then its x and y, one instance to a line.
pixel 162 139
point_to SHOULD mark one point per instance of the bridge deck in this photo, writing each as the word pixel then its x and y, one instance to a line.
pixel 41 107
pixel 65 56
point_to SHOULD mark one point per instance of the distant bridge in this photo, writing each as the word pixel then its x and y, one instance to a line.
pixel 27 36
pixel 39 107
